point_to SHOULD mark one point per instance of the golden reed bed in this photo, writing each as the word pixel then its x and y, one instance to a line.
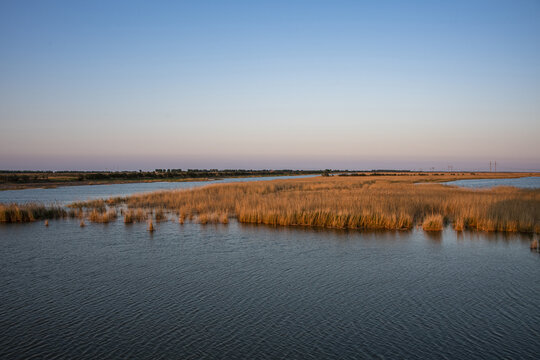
pixel 370 203
pixel 11 213
pixel 363 202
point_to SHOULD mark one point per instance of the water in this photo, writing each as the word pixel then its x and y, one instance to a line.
pixel 524 182
pixel 234 291
pixel 237 291
pixel 68 194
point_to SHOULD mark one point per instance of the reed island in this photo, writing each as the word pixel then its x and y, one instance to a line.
pixel 362 201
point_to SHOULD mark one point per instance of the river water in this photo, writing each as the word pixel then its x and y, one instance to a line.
pixel 242 291
pixel 235 291
pixel 532 182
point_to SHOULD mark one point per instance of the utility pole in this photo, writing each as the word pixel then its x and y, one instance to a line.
pixel 495 166
pixel 490 166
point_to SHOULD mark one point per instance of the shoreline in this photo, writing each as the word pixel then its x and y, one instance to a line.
pixel 56 184
pixel 430 178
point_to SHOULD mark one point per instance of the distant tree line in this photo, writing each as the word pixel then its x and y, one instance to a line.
pixel 28 176
pixel 23 178
pixel 52 176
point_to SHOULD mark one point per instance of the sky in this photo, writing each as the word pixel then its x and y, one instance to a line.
pixel 127 85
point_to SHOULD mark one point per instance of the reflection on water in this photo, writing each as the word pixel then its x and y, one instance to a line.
pixel 244 291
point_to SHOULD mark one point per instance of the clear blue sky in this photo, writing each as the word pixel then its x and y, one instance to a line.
pixel 269 84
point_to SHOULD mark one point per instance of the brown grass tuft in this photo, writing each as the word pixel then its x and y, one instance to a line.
pixel 128 217
pixel 434 222
pixel 224 219
pixel 103 217
pixel 160 215
pixel 12 213
pixel 203 219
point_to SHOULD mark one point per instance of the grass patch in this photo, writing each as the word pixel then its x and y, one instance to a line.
pixel 103 216
pixel 391 203
pixel 434 222
pixel 13 213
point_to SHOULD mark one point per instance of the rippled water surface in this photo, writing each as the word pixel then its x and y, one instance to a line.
pixel 524 182
pixel 235 291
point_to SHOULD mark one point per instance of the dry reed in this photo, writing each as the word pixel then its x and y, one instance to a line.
pixel 11 213
pixel 128 217
pixel 103 216
pixel 224 219
pixel 131 216
pixel 160 215
pixel 433 222
pixel 383 202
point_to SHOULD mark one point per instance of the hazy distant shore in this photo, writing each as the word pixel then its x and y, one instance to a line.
pixel 52 185
pixel 18 180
